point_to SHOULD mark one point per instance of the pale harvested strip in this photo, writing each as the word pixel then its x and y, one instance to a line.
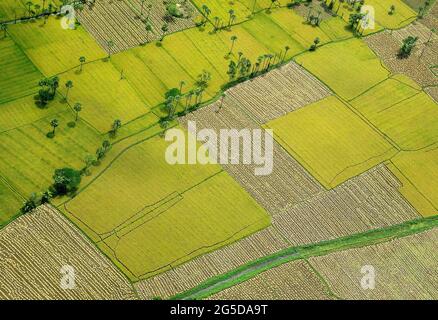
pixel 118 21
pixel 212 264
pixel 433 92
pixel 291 281
pixel 405 268
pixel 431 19
pixel 279 92
pixel 113 21
pixel 34 247
pixel 370 200
pixel 287 184
pixel 387 45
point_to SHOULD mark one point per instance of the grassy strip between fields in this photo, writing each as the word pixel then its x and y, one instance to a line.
pixel 251 269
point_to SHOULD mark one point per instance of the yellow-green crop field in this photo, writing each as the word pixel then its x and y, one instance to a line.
pixel 407 115
pixel 10 203
pixel 18 76
pixel 421 169
pixel 53 49
pixel 401 16
pixel 11 9
pixel 29 158
pixel 325 137
pixel 103 95
pixel 348 67
pixel 149 216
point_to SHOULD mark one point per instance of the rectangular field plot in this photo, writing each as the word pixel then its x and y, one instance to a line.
pixel 11 9
pixel 405 269
pixel 325 137
pixel 18 76
pixel 348 67
pixel 10 203
pixel 421 169
pixel 407 115
pixel 23 111
pixel 53 49
pixel 35 247
pixel 29 158
pixel 104 96
pixel 123 22
pixel 150 216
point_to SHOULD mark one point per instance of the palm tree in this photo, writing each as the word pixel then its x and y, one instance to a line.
pixel 216 23
pixel 188 100
pixel 286 49
pixel 233 40
pixel 253 6
pixel 141 9
pixel 29 4
pixel 149 11
pixel 4 28
pixel 81 61
pixel 207 12
pixel 231 13
pixel 149 29
pixel 117 124
pixel 53 84
pixel 77 107
pixel 181 84
pixel 164 29
pixel 110 45
pixel 68 85
pixel 37 7
pixel 54 123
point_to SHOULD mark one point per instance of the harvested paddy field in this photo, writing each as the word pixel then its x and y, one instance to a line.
pixel 404 268
pixel 124 22
pixel 35 247
pixel 424 55
pixel 291 281
pixel 278 92
pixel 193 210
pixel 368 201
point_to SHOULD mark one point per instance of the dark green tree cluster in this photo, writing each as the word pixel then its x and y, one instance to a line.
pixel 47 92
pixel 65 182
pixel 407 46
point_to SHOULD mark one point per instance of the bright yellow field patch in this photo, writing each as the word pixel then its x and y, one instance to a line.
pixel 421 169
pixel 331 141
pixel 150 215
pixel 401 111
pixel 348 67
pixel 53 49
pixel 103 95
pixel 10 203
